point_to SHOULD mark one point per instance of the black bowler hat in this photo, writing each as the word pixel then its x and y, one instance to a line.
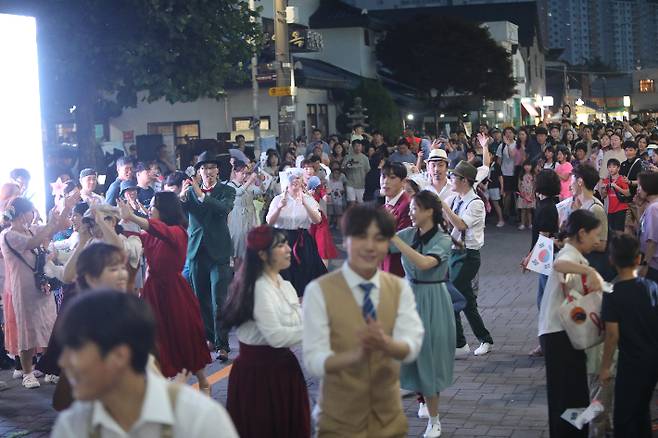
pixel 204 158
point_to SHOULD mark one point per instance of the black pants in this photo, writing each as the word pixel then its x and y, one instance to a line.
pixel 634 388
pixel 210 283
pixel 617 221
pixel 566 383
pixel 464 265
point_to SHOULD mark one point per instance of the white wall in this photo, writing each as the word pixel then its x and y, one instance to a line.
pixel 305 8
pixel 345 48
pixel 644 101
pixel 215 115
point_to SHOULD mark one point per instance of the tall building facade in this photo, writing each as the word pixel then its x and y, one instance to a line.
pixel 621 33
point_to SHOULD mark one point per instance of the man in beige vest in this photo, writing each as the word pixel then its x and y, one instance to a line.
pixel 359 323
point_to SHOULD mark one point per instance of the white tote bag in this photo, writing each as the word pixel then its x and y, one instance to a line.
pixel 581 316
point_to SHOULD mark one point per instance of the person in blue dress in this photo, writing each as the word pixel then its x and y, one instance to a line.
pixel 425 249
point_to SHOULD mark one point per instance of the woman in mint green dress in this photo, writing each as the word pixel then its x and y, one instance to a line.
pixel 425 249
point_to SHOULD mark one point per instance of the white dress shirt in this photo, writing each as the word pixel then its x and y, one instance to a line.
pixel 294 214
pixel 316 343
pixel 277 315
pixel 549 318
pixel 446 194
pixel 195 416
pixel 472 212
pixel 394 200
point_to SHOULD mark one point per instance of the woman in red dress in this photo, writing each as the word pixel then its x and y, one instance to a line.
pixel 181 339
pixel 320 231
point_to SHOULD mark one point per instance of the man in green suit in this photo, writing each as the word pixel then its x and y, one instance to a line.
pixel 209 246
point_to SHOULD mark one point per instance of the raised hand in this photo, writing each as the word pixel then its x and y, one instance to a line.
pixel 125 210
pixel 483 139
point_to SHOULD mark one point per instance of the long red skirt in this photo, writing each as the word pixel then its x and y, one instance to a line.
pixel 323 239
pixel 267 394
pixel 181 337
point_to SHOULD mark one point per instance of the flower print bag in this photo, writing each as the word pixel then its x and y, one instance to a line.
pixel 580 314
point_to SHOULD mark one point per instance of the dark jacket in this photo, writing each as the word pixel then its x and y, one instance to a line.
pixel 209 223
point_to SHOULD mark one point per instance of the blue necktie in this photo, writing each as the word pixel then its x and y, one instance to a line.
pixel 368 308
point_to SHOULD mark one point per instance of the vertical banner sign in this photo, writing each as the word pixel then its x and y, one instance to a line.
pixel 20 106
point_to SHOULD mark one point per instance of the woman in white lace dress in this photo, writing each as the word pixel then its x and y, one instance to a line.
pixel 293 212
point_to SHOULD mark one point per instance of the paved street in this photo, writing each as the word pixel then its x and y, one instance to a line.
pixel 499 395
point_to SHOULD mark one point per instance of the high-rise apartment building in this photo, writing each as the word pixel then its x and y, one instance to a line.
pixel 621 33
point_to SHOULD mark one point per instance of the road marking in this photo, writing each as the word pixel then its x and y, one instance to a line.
pixel 217 376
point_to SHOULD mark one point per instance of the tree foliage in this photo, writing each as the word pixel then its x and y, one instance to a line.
pixel 383 112
pixel 179 50
pixel 445 53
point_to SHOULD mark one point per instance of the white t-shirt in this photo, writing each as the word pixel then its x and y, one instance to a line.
pixel 549 319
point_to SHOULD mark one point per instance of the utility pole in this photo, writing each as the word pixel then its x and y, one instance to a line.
pixel 286 109
pixel 254 89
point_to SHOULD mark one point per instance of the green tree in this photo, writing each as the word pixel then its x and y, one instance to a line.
pixel 97 51
pixel 382 111
pixel 447 54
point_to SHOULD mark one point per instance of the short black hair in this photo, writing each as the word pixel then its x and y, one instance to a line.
pixel 141 167
pixel 357 219
pixel 565 151
pixel 579 220
pixel 108 319
pixel 649 182
pixel 541 130
pixel 588 174
pixel 94 259
pixel 175 179
pixel 614 162
pixel 629 145
pixel 19 173
pixel 356 140
pixel 581 147
pixel 547 183
pixel 624 249
pixel 394 168
pixel 124 161
pixel 317 130
pixel 239 136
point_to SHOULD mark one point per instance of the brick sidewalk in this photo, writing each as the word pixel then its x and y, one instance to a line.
pixel 499 395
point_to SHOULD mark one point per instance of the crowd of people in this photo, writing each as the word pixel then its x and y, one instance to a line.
pixel 120 288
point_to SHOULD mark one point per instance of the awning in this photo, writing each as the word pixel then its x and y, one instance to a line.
pixel 530 108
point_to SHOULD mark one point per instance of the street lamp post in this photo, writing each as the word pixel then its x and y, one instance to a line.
pixel 286 109
pixel 434 93
pixel 254 90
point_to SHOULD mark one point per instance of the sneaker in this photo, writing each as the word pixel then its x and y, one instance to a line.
pixel 462 352
pixel 422 411
pixel 433 430
pixel 500 224
pixel 3 386
pixel 30 382
pixel 521 227
pixel 406 393
pixel 51 378
pixel 38 374
pixel 483 349
pixel 18 374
